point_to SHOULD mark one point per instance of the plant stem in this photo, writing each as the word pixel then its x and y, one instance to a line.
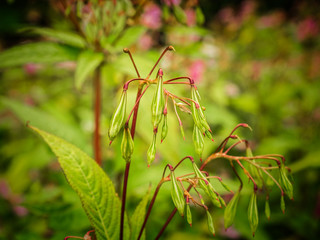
pixel 97 112
pixel 126 174
pixel 150 208
pixel 166 223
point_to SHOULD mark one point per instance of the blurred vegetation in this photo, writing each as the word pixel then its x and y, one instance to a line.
pixel 254 61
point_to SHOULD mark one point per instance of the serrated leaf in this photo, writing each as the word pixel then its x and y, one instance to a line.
pixel 87 62
pixel 41 52
pixel 45 121
pixel 138 218
pixel 69 38
pixel 93 186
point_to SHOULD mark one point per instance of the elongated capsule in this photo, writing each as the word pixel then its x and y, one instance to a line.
pixel 285 182
pixel 151 154
pixel 254 171
pixel 198 140
pixel 118 117
pixel 206 186
pixel 253 216
pixel 164 130
pixel 267 209
pixel 158 101
pixel 231 209
pixel 189 215
pixel 225 186
pixel 222 201
pixel 210 223
pixel 127 145
pixel 177 194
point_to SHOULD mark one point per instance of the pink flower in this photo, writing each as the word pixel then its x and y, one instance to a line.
pixel 306 29
pixel 271 20
pixel 145 42
pixel 31 68
pixel 171 2
pixel 191 17
pixel 196 70
pixel 151 16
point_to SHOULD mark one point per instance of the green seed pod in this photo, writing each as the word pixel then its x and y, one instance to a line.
pixel 253 213
pixel 286 184
pixel 158 101
pixel 255 173
pixel 267 209
pixel 222 201
pixel 198 140
pixel 118 117
pixel 225 186
pixel 151 154
pixel 208 188
pixel 210 223
pixel 177 194
pixel 127 145
pixel 231 209
pixel 164 130
pixel 189 215
pixel 182 131
pixel 282 204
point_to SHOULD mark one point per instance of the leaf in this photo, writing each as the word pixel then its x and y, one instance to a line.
pixel 47 122
pixel 41 52
pixel 69 38
pixel 130 36
pixel 138 218
pixel 87 62
pixel 93 186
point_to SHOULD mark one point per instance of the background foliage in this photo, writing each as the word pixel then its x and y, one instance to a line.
pixel 254 62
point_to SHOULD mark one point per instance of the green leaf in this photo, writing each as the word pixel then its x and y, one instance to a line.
pixel 47 122
pixel 69 38
pixel 87 62
pixel 130 36
pixel 41 52
pixel 138 218
pixel 93 186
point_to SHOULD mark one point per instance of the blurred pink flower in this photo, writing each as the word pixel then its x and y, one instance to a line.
pixel 191 17
pixel 145 42
pixel 306 29
pixel 172 2
pixel 247 9
pixel 31 68
pixel 196 70
pixel 271 20
pixel 226 15
pixel 20 211
pixel 151 16
pixel 4 189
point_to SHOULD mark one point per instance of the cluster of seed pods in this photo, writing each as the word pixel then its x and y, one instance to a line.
pixel 159 111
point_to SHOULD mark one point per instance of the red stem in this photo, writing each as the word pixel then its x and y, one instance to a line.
pixel 97 112
pixel 126 174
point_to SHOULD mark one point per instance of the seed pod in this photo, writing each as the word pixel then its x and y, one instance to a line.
pixel 282 204
pixel 286 184
pixel 198 140
pixel 222 201
pixel 177 194
pixel 208 189
pixel 267 209
pixel 158 101
pixel 255 173
pixel 118 117
pixel 182 131
pixel 231 209
pixel 253 213
pixel 127 145
pixel 225 186
pixel 189 215
pixel 164 130
pixel 151 154
pixel 210 223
